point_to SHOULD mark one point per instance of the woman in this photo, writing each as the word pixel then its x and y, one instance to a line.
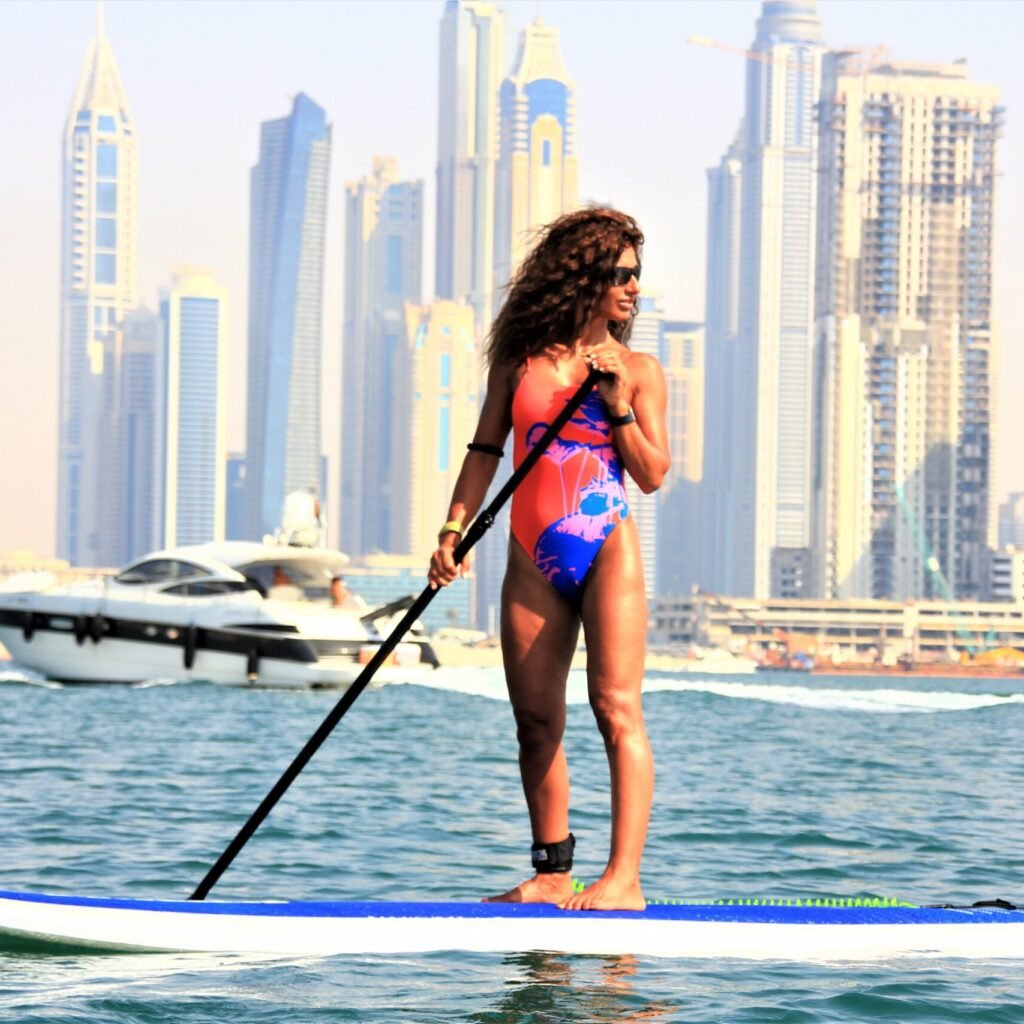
pixel 574 556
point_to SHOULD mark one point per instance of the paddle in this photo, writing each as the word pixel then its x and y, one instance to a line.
pixel 480 526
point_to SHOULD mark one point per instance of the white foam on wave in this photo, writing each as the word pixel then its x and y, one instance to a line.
pixel 490 682
pixel 887 701
pixel 19 675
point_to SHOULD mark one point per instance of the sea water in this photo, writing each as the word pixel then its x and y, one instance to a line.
pixel 783 785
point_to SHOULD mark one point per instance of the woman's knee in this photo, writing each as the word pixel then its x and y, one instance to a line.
pixel 537 730
pixel 618 716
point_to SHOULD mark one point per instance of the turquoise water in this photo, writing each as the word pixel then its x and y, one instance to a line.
pixel 767 786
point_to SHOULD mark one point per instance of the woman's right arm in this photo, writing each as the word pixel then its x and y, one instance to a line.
pixel 478 469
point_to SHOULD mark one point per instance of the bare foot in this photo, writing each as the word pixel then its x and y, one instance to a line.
pixel 550 888
pixel 608 893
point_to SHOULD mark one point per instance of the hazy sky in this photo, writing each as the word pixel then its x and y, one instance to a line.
pixel 653 113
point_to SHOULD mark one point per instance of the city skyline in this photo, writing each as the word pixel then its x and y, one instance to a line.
pixel 637 183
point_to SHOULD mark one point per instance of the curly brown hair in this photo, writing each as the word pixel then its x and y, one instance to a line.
pixel 560 284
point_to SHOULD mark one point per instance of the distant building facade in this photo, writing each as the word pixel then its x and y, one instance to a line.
pixel 128 462
pixel 1006 575
pixel 681 536
pixel 383 271
pixel 440 374
pixel 288 215
pixel 194 315
pixel 99 269
pixel 646 508
pixel 906 346
pixel 716 569
pixel 537 172
pixel 471 65
pixel 234 497
pixel 1011 520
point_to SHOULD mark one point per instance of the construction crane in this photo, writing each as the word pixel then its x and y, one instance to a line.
pixel 869 56
pixel 739 51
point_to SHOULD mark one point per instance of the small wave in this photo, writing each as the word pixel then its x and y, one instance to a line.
pixel 890 701
pixel 490 683
pixel 27 678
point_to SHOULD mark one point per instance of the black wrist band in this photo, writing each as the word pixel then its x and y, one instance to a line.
pixel 487 449
pixel 621 421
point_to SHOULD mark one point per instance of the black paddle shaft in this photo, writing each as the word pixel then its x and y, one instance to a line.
pixel 480 526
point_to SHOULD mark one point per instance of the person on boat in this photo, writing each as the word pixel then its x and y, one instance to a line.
pixel 282 587
pixel 574 556
pixel 342 597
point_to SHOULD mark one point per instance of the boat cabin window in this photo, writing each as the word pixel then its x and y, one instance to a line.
pixel 155 570
pixel 207 588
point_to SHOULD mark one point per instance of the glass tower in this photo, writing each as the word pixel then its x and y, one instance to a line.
pixel 772 451
pixel 99 254
pixel 288 212
pixel 195 392
pixel 717 501
pixel 383 270
pixel 471 63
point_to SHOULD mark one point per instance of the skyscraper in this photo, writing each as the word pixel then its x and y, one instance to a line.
pixel 771 483
pixel 681 537
pixel 195 417
pixel 383 270
pixel 537 174
pixel 128 520
pixel 472 52
pixel 288 214
pixel 716 571
pixel 906 346
pixel 440 374
pixel 99 258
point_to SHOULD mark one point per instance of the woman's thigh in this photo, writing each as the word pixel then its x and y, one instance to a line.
pixel 539 630
pixel 615 617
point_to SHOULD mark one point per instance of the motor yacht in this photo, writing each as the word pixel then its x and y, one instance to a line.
pixel 232 612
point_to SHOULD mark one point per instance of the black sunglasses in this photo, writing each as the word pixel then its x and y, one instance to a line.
pixel 620 275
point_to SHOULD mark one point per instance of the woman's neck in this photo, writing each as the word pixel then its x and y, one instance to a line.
pixel 595 332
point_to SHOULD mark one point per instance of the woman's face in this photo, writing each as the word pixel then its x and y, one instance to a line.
pixel 620 299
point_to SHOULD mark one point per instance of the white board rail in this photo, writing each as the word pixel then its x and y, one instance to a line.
pixel 760 930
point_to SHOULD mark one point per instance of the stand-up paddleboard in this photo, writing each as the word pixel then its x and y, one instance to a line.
pixel 762 930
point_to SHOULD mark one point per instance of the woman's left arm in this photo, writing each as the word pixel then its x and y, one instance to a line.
pixel 643 443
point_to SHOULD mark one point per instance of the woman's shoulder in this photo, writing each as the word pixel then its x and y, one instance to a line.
pixel 503 376
pixel 643 362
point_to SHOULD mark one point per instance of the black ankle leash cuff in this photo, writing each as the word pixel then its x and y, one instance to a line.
pixel 549 858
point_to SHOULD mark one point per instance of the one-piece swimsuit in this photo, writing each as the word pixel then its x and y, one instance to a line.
pixel 572 499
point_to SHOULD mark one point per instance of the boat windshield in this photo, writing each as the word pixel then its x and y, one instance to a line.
pixel 157 570
pixel 306 579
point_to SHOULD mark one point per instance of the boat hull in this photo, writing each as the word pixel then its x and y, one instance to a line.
pixel 69 648
pixel 62 924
